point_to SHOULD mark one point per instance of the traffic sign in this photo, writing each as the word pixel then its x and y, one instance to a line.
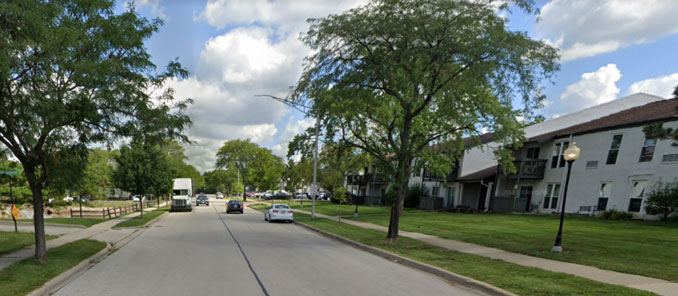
pixel 9 172
pixel 15 212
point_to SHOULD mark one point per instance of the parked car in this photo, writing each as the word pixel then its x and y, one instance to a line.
pixel 69 199
pixel 202 199
pixel 279 212
pixel 267 195
pixel 235 206
pixel 281 195
pixel 220 195
pixel 302 195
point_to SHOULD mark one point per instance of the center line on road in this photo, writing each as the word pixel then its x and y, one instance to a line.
pixel 249 264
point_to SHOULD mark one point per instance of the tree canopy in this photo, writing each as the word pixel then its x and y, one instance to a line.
pixel 73 73
pixel 258 166
pixel 393 77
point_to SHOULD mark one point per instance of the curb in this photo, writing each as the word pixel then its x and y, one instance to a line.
pixel 65 277
pixel 437 271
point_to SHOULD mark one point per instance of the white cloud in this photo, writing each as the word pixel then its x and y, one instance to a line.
pixel 586 28
pixel 594 88
pixel 284 13
pixel 662 86
pixel 156 8
pixel 292 128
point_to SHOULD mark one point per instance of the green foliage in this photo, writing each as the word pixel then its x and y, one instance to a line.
pixel 258 166
pixel 414 194
pixel 220 181
pixel 657 131
pixel 143 168
pixel 663 200
pixel 96 182
pixel 393 77
pixel 22 193
pixel 181 169
pixel 339 195
pixel 615 215
pixel 74 73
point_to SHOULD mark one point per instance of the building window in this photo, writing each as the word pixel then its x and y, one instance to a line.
pixel 670 157
pixel 551 197
pixel 648 150
pixel 604 195
pixel 592 164
pixel 533 153
pixel 614 149
pixel 450 197
pixel 557 160
pixel 637 195
pixel 434 191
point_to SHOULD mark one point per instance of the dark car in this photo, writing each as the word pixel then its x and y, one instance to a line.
pixel 202 199
pixel 235 206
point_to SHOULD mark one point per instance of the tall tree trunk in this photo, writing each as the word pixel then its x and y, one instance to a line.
pixel 38 211
pixel 402 180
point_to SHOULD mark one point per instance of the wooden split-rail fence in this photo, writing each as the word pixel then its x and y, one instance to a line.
pixel 105 213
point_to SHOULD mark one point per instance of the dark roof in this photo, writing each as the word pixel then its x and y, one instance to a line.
pixel 663 110
pixel 479 175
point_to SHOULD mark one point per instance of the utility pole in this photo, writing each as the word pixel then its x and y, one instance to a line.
pixel 299 106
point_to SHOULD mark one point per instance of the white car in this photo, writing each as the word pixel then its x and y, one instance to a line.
pixel 220 195
pixel 69 199
pixel 279 212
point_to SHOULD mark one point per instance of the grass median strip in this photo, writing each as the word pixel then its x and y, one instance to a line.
pixel 27 275
pixel 511 277
pixel 138 221
pixel 11 241
pixel 586 240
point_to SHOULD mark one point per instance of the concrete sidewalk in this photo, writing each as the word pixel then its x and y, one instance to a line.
pixel 659 286
pixel 102 232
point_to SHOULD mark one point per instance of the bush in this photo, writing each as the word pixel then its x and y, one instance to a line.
pixel 414 194
pixel 663 201
pixel 615 215
pixel 339 195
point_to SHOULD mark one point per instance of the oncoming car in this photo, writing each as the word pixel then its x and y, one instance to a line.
pixel 279 212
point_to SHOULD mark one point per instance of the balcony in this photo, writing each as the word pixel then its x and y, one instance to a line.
pixel 369 178
pixel 529 169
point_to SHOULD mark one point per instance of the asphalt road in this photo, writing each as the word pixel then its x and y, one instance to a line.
pixel 195 254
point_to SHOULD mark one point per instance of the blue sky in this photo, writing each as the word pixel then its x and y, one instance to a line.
pixel 236 49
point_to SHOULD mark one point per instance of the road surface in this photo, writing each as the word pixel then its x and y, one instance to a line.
pixel 195 253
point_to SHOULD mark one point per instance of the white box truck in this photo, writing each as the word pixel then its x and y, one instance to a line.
pixel 181 195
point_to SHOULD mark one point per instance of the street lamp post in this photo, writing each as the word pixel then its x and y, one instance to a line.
pixel 302 193
pixel 571 154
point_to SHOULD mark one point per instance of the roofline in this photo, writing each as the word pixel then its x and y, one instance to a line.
pixel 602 129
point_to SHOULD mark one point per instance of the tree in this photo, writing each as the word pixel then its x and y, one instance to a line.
pixel 657 130
pixel 143 169
pixel 266 170
pixel 238 155
pixel 220 180
pixel 393 77
pixel 181 169
pixel 96 180
pixel 663 201
pixel 73 73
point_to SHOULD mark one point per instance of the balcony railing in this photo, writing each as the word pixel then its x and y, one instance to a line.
pixel 529 169
pixel 370 178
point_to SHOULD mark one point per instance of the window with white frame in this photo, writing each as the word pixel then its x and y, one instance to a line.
pixel 604 195
pixel 614 149
pixel 557 159
pixel 638 189
pixel 551 196
pixel 647 151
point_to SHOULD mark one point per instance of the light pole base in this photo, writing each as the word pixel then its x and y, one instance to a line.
pixel 355 214
pixel 557 249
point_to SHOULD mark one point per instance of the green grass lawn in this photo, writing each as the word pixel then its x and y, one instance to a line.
pixel 637 247
pixel 12 242
pixel 87 222
pixel 24 276
pixel 511 277
pixel 138 221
